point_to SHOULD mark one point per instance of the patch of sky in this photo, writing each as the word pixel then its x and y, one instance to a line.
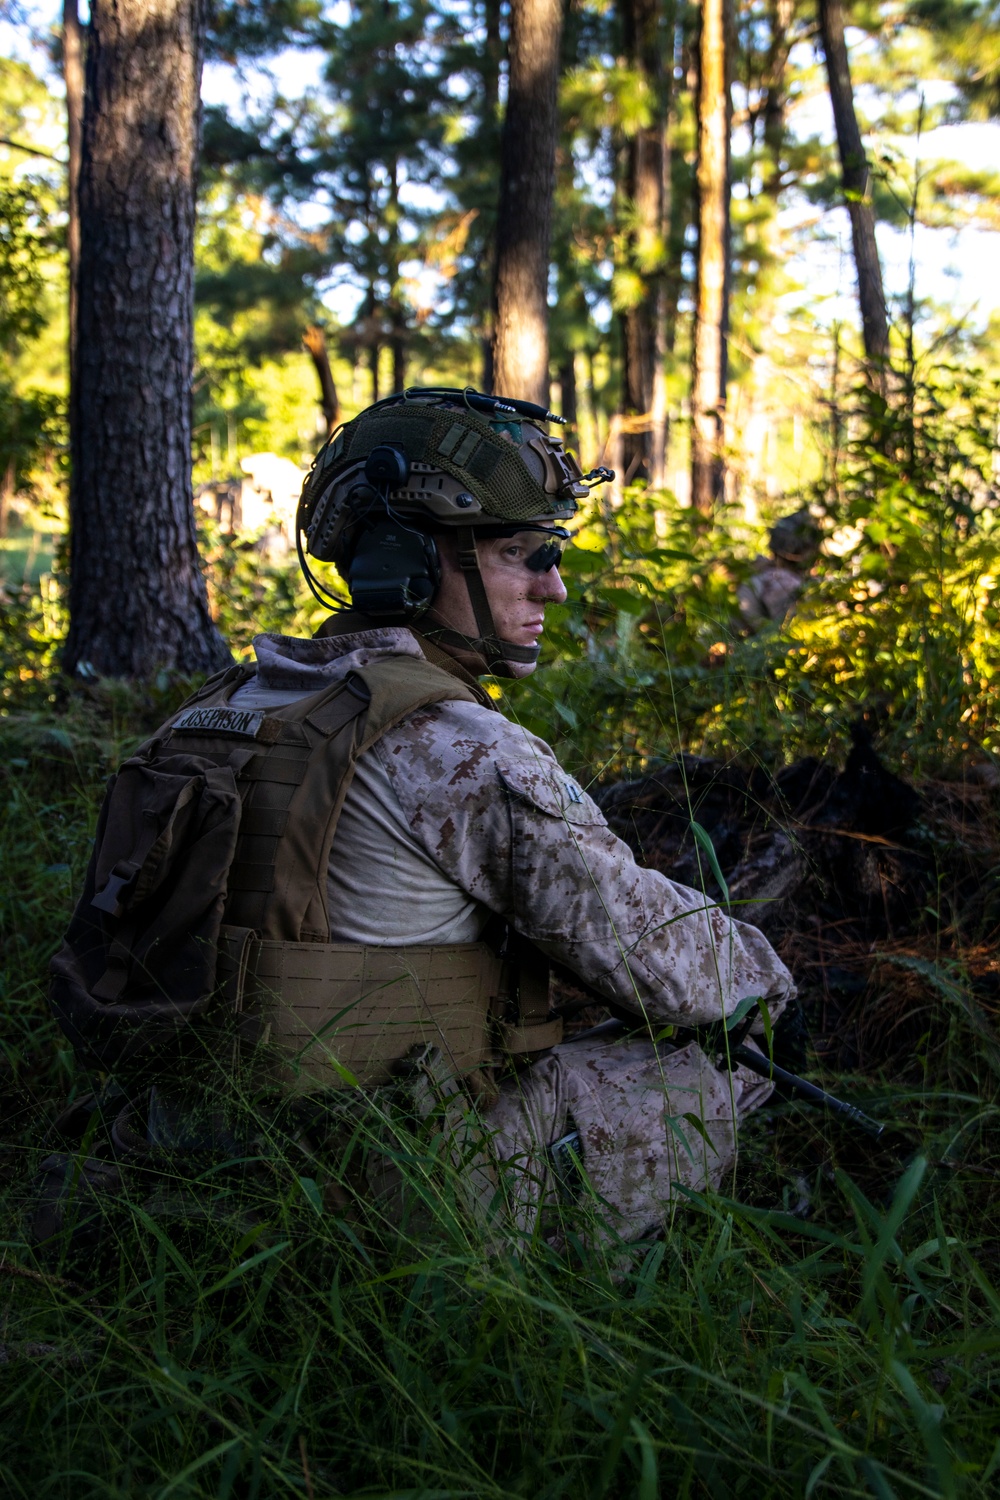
pixel 954 265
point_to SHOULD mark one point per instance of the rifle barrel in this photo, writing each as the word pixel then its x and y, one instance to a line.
pixel 767 1069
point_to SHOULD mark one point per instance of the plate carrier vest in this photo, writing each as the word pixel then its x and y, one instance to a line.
pixel 311 1014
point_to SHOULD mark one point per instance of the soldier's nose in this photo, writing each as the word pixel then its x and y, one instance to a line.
pixel 548 587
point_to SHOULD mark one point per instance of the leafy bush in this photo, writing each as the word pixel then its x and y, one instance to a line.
pixel 651 655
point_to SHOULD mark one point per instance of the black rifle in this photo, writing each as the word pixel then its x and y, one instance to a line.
pixel 768 1069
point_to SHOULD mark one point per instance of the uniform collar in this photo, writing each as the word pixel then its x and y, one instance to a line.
pixel 354 625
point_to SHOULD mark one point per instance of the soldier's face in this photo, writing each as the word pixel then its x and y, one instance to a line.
pixel 517 594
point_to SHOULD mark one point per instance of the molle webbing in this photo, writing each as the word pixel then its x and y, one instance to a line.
pixel 469 450
pixel 293 791
pixel 297 990
pixel 304 1004
pixel 296 769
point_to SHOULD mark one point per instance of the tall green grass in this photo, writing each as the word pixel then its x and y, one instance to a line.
pixel 747 1353
pixel 251 1335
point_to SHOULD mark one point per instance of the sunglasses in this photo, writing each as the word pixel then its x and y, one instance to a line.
pixel 545 557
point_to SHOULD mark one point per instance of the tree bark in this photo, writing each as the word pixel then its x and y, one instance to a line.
pixel 780 14
pixel 72 50
pixel 524 222
pixel 6 493
pixel 137 596
pixel 490 63
pixel 857 190
pixel 314 340
pixel 567 390
pixel 397 343
pixel 711 320
pixel 643 343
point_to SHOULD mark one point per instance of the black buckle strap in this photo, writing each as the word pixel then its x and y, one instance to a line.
pixel 122 877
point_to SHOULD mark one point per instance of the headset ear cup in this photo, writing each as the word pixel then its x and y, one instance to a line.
pixel 394 571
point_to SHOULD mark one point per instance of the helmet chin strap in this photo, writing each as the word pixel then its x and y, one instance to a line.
pixel 494 651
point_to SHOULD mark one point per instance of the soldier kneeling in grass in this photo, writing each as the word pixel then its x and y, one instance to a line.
pixel 344 863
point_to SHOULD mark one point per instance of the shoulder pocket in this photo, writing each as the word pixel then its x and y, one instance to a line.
pixel 549 789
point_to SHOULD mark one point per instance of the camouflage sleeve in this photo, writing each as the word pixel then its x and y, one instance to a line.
pixel 500 817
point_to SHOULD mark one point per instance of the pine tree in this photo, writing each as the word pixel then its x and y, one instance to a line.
pixel 137 596
pixel 464 247
pixel 647 36
pixel 856 179
pixel 709 351
pixel 524 220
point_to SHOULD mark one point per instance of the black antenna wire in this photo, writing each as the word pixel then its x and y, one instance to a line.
pixel 315 588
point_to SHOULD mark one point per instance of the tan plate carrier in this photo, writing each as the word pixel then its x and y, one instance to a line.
pixel 315 1014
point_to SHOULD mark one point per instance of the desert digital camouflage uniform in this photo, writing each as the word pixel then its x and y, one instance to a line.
pixel 458 814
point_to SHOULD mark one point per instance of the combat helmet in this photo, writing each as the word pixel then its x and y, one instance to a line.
pixel 437 460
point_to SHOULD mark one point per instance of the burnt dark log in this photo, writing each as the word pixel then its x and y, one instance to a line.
pixel 806 840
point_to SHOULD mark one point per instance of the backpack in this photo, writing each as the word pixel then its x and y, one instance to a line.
pixel 214 834
pixel 138 963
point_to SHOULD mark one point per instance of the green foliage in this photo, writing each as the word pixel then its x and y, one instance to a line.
pixel 243 29
pixel 250 593
pixel 651 655
pixel 24 244
pixel 32 624
pixel 32 428
pixel 291 1352
pixel 31 419
pixel 964 36
pixel 909 625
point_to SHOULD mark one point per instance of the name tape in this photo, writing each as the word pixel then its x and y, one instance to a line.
pixel 220 721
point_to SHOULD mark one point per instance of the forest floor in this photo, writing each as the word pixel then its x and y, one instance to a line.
pixel 826 1324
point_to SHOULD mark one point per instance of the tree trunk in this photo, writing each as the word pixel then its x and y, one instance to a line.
pixel 137 596
pixel 396 308
pixel 642 322
pixel 72 48
pixel 490 64
pixel 780 14
pixel 524 222
pixel 397 343
pixel 567 390
pixel 711 318
pixel 857 189
pixel 314 340
pixel 6 493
